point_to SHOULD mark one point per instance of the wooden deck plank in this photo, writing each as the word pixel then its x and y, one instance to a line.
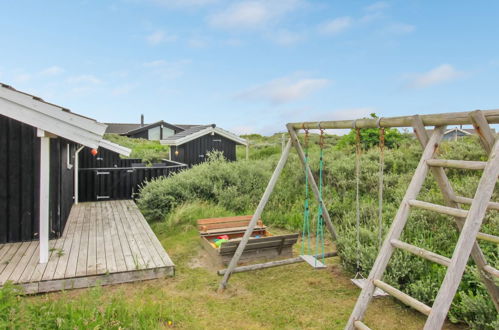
pixel 130 236
pixel 119 257
pixel 75 246
pixel 3 249
pixel 100 246
pixel 32 264
pixel 143 245
pixel 92 240
pixel 13 261
pixel 23 262
pixel 127 253
pixel 10 250
pixel 156 257
pixel 154 239
pixel 108 241
pixel 69 234
pixel 81 264
pixel 37 274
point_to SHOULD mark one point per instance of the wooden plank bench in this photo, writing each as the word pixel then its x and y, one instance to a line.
pixel 263 245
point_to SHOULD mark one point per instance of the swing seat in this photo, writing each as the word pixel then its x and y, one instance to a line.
pixel 312 261
pixel 360 282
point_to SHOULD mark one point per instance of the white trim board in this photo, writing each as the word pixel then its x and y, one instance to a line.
pixel 27 109
pixel 206 131
pixel 124 151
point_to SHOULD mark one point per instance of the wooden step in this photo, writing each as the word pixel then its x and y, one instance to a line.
pixel 491 270
pixel 312 261
pixel 466 200
pixel 488 237
pixel 462 164
pixel 406 299
pixel 361 326
pixel 428 255
pixel 438 208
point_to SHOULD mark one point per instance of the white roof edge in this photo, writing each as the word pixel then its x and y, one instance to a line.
pixel 26 109
pixel 206 131
pixel 115 147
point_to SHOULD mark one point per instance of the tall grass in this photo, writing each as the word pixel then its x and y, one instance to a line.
pixel 236 187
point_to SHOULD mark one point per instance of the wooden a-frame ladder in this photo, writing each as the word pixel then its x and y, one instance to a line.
pixel 468 222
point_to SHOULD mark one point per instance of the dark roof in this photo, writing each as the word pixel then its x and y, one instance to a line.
pixel 148 126
pixel 39 99
pixel 187 132
pixel 187 126
pixel 119 128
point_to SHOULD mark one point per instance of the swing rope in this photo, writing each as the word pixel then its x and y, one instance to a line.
pixel 319 238
pixel 357 200
pixel 306 213
pixel 381 183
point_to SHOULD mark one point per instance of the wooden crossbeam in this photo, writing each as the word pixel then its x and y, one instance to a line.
pixel 461 164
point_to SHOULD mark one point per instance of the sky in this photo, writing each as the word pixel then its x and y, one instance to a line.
pixel 251 66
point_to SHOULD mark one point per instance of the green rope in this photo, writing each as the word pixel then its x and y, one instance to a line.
pixel 306 213
pixel 319 238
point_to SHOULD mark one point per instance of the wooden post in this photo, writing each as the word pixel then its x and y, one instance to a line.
pixel 466 241
pixel 44 195
pixel 313 184
pixel 451 199
pixel 256 216
pixel 396 228
pixel 483 130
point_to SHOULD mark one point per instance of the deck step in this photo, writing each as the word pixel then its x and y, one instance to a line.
pixel 462 164
pixel 428 255
pixel 438 208
pixel 312 261
pixel 406 299
pixel 466 200
pixel 361 326
pixel 491 270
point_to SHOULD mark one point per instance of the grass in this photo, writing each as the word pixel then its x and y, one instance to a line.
pixel 148 151
pixel 289 297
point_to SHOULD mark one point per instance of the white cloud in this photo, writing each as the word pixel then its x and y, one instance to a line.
pixel 123 89
pixel 400 28
pixel 283 90
pixel 440 74
pixel 167 69
pixel 86 79
pixel 336 25
pixel 52 71
pixel 377 6
pixel 285 37
pixel 183 3
pixel 254 14
pixel 243 129
pixel 159 36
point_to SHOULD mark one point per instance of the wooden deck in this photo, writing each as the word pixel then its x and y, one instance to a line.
pixel 103 243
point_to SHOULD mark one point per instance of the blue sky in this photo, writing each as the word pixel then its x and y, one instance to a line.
pixel 252 66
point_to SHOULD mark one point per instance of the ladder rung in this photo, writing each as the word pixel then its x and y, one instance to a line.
pixel 491 270
pixel 406 299
pixel 444 261
pixel 488 237
pixel 466 200
pixel 361 326
pixel 439 208
pixel 463 164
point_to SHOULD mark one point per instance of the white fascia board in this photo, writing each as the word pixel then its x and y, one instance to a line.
pixel 230 136
pixel 188 138
pixel 124 151
pixel 50 118
pixel 203 132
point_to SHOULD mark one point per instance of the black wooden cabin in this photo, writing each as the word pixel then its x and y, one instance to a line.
pixel 192 146
pixel 20 177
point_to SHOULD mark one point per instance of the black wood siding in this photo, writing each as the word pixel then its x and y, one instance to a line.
pixel 19 182
pixel 104 159
pixel 195 152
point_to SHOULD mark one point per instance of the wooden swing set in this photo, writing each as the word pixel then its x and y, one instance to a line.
pixel 468 221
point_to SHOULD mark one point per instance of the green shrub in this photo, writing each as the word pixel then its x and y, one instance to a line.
pixel 148 151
